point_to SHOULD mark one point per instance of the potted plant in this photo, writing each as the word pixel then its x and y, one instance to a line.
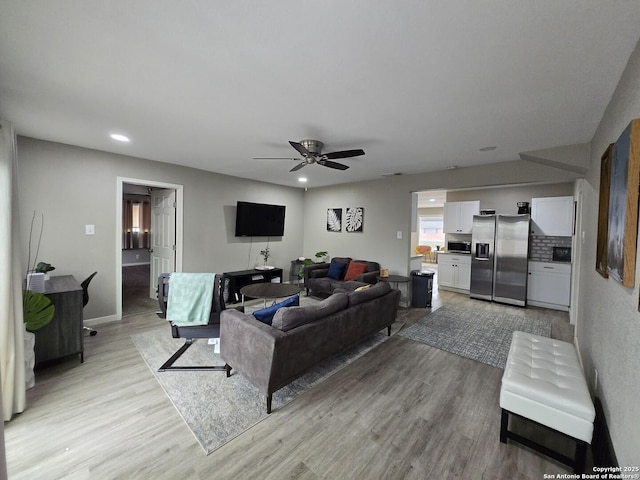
pixel 38 311
pixel 320 258
pixel 265 255
pixel 45 268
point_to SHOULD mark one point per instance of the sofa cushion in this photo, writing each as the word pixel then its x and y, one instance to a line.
pixel 354 269
pixel 265 315
pixel 336 270
pixel 287 318
pixel 359 296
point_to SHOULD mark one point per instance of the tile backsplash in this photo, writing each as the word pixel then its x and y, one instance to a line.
pixel 541 248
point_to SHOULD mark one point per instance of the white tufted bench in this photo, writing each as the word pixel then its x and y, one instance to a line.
pixel 543 382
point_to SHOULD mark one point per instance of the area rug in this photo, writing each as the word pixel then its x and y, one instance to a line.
pixel 216 408
pixel 474 332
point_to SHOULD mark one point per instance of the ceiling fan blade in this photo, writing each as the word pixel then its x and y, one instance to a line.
pixel 298 167
pixel 344 154
pixel 275 158
pixel 330 164
pixel 300 148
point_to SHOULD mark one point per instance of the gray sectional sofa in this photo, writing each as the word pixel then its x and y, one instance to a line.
pixel 272 356
pixel 317 276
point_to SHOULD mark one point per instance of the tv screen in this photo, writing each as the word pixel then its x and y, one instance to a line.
pixel 259 220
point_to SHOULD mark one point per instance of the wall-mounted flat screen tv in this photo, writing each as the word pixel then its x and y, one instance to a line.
pixel 259 220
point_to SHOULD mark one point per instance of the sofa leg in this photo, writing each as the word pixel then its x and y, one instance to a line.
pixel 269 403
pixel 307 291
pixel 389 331
pixel 227 367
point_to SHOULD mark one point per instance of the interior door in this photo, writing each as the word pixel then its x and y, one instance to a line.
pixel 163 235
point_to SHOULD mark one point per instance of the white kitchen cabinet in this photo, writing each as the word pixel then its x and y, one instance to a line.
pixel 454 271
pixel 552 216
pixel 458 216
pixel 549 285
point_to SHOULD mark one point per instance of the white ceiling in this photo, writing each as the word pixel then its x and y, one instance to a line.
pixel 419 85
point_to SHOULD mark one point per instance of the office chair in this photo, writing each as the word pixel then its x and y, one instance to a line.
pixel 85 299
pixel 191 333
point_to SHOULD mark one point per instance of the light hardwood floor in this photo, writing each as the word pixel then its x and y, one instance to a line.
pixel 404 410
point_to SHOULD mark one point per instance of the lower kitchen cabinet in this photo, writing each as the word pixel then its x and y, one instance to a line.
pixel 549 285
pixel 454 271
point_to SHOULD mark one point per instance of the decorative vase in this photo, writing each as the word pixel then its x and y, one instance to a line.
pixel 29 358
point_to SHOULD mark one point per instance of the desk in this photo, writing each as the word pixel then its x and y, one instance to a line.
pixel 63 336
pixel 269 290
pixel 398 279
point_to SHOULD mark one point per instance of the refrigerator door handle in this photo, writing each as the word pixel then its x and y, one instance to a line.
pixel 480 259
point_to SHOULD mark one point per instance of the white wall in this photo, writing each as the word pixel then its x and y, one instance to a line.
pixel 609 331
pixel 74 186
pixel 387 204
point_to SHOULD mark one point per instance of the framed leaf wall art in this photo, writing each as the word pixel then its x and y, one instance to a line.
pixel 354 219
pixel 334 220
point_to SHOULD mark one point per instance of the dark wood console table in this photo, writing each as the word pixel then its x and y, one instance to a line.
pixel 63 336
pixel 242 278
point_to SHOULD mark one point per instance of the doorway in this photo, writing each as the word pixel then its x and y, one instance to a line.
pixel 149 239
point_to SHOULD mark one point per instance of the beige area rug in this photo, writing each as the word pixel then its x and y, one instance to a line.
pixel 216 408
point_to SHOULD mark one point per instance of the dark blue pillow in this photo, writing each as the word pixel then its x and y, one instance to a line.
pixel 265 315
pixel 337 270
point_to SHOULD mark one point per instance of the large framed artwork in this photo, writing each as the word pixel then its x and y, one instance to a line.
pixel 622 222
pixel 334 220
pixel 354 219
pixel 603 212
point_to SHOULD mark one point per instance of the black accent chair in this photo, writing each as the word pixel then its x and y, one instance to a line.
pixel 191 333
pixel 85 299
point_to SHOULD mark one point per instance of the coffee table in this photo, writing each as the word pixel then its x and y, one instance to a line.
pixel 269 290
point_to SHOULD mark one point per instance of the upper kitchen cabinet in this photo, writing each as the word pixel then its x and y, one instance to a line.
pixel 458 216
pixel 552 216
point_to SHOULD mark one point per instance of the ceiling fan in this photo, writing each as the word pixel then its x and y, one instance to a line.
pixel 311 151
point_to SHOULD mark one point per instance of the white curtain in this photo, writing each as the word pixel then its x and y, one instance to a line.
pixel 11 320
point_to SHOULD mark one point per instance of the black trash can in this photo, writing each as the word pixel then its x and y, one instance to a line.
pixel 421 288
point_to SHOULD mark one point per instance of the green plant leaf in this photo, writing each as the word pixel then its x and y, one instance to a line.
pixel 38 310
pixel 43 267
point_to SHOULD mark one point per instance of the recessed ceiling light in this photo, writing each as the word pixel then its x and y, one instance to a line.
pixel 432 199
pixel 487 149
pixel 118 137
pixel 302 179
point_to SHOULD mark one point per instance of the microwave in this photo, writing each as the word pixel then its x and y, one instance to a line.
pixel 459 247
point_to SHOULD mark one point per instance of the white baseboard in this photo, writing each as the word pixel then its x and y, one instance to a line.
pixel 550 306
pixel 100 320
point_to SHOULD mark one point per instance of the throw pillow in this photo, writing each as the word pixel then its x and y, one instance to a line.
pixel 354 269
pixel 336 270
pixel 364 287
pixel 265 315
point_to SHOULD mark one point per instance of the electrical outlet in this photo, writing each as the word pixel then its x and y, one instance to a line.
pixel 89 229
pixel 399 235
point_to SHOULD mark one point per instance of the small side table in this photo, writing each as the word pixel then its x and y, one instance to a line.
pixel 398 279
pixel 296 267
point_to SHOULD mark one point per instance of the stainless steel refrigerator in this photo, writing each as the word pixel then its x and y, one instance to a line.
pixel 499 251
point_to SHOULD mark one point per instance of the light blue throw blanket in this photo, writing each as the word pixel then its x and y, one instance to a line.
pixel 190 297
